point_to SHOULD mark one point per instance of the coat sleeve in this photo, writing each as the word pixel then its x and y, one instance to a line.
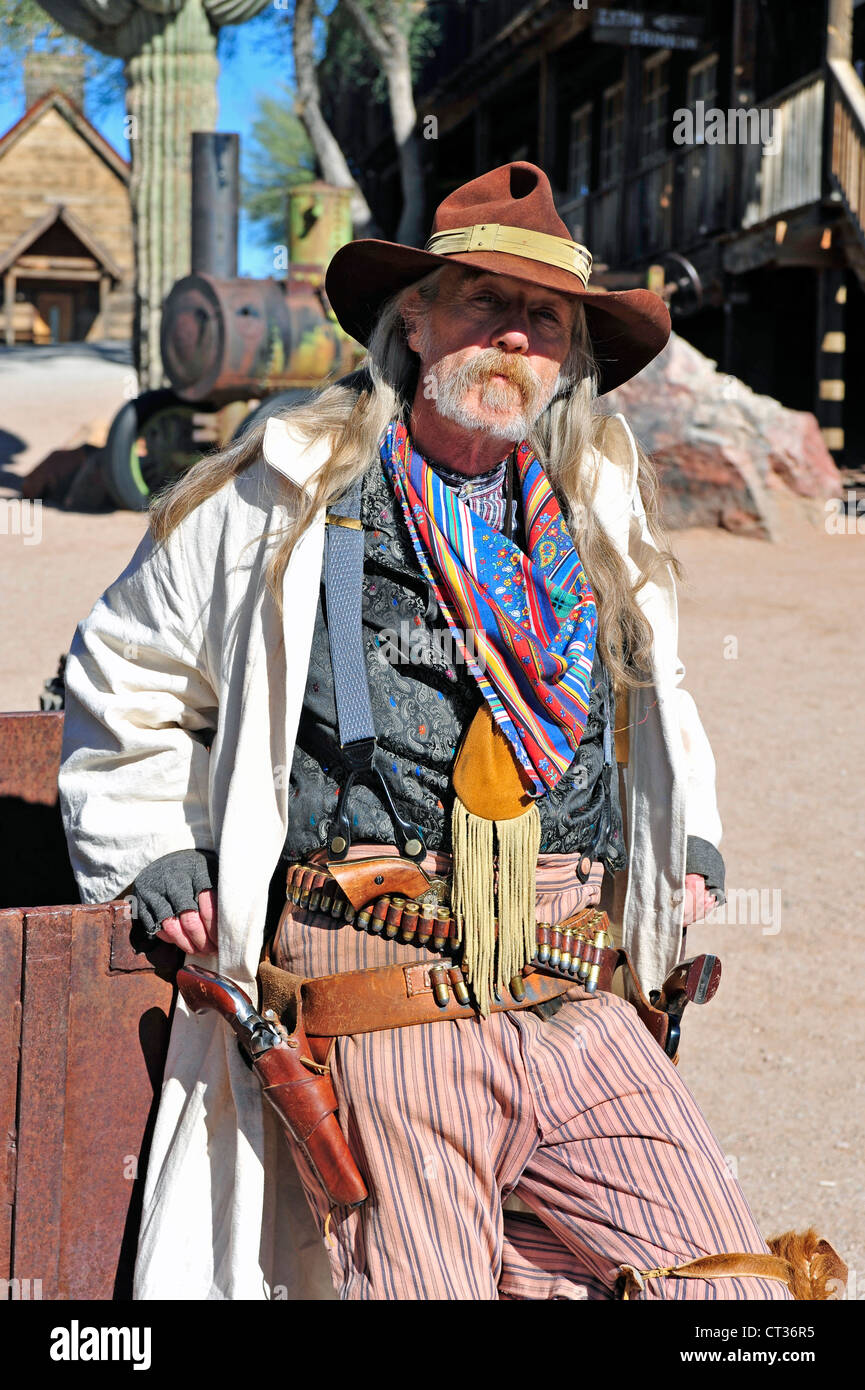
pixel 133 780
pixel 702 818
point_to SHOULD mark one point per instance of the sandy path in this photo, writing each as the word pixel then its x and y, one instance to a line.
pixel 773 1060
pixel 53 564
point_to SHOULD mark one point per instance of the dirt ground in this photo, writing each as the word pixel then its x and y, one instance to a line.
pixel 771 637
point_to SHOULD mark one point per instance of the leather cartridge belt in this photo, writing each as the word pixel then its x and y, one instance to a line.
pixel 572 951
pixel 393 996
pixel 390 996
pixel 575 948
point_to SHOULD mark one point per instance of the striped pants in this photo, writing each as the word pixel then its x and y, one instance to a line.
pixel 581 1116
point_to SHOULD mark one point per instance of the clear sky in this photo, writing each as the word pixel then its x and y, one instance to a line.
pixel 249 66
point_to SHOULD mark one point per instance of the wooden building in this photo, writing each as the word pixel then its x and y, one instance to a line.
pixel 718 147
pixel 66 254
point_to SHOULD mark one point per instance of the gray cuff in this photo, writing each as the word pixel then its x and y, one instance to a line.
pixel 702 857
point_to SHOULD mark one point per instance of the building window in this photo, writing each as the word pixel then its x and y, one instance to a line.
pixel 703 167
pixel 655 100
pixel 703 86
pixel 612 133
pixel 580 152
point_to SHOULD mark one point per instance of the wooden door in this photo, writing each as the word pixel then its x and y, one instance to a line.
pixel 57 308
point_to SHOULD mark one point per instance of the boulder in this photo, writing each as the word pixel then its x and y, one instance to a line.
pixel 719 448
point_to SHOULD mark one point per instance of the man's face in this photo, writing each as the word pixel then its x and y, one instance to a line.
pixel 491 349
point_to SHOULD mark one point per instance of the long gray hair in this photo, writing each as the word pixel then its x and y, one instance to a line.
pixel 354 413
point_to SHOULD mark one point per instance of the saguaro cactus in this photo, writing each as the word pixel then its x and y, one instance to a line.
pixel 169 49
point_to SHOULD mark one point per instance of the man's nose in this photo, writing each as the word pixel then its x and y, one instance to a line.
pixel 511 332
pixel 511 339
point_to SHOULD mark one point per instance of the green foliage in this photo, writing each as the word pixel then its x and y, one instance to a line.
pixel 278 156
pixel 22 22
pixel 24 26
pixel 348 61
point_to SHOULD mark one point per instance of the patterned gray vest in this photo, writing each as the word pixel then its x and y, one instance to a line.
pixel 423 698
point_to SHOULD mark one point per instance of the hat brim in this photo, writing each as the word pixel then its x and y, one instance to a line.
pixel 628 328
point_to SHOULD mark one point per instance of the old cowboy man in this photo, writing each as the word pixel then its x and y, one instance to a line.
pixel 439 692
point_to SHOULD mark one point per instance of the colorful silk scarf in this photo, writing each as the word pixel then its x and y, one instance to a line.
pixel 533 616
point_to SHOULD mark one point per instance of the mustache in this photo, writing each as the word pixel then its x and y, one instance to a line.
pixel 483 366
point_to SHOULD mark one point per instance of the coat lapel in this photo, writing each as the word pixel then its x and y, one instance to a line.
pixel 288 453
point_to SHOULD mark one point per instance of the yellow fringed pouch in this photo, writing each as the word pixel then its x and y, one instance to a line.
pixel 492 794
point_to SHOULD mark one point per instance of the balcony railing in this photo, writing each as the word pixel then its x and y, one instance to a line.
pixel 786 174
pixel 688 195
pixel 847 159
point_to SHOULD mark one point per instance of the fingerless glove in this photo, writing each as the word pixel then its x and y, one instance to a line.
pixel 171 885
pixel 703 858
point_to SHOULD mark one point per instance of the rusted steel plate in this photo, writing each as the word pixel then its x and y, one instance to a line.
pixel 44 1035
pixel 30 755
pixel 93 1047
pixel 10 1037
pixel 36 868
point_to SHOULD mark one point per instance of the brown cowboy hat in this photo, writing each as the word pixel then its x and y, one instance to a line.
pixel 504 221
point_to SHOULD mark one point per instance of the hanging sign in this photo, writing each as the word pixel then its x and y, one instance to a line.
pixel 639 29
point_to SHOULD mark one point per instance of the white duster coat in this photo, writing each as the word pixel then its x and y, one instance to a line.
pixel 188 638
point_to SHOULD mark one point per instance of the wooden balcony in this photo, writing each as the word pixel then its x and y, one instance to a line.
pixel 847 153
pixel 787 173
pixel 689 195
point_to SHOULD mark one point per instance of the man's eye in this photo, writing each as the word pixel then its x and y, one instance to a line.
pixel 551 314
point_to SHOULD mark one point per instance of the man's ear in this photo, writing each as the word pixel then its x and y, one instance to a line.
pixel 410 325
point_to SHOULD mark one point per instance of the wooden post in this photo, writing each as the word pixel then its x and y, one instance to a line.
pixel 633 106
pixel 838 44
pixel 743 88
pixel 547 91
pixel 728 351
pixel 839 29
pixel 9 307
pixel 831 345
pixel 482 136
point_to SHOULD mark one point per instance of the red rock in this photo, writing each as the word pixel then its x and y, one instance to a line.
pixel 719 448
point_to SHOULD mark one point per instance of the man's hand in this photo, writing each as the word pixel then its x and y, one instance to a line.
pixel 194 932
pixel 175 900
pixel 698 900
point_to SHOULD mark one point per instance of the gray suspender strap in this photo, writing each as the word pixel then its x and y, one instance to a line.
pixel 343 541
pixel 343 574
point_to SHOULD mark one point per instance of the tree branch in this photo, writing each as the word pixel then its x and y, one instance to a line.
pixel 332 161
pixel 370 31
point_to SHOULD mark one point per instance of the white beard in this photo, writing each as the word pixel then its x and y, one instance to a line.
pixel 508 410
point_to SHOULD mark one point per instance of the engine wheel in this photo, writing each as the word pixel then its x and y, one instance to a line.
pixel 150 443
